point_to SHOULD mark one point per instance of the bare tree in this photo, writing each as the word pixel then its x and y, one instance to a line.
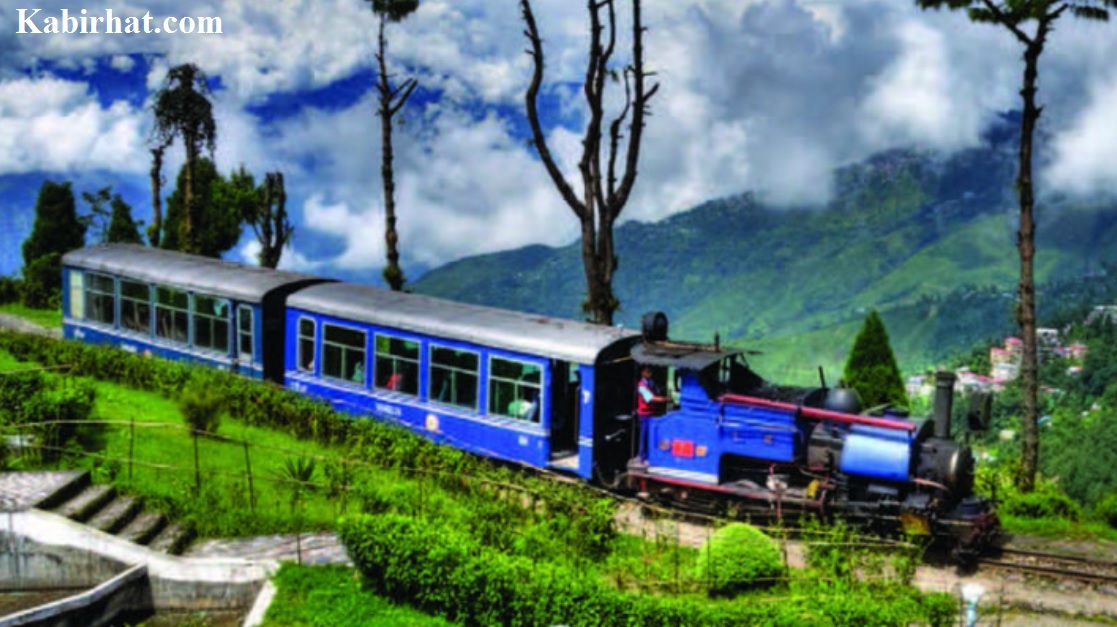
pixel 183 109
pixel 273 229
pixel 603 192
pixel 391 101
pixel 1013 15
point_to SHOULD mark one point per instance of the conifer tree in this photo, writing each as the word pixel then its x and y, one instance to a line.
pixel 871 369
pixel 57 230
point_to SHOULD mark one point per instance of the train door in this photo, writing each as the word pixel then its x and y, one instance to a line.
pixel 565 386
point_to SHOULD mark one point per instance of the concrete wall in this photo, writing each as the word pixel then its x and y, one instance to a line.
pixel 28 565
pixel 41 543
pixel 126 592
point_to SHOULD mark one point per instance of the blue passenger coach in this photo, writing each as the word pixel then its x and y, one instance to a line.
pixel 542 391
pixel 152 301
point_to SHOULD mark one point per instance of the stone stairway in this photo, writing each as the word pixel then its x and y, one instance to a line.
pixel 101 507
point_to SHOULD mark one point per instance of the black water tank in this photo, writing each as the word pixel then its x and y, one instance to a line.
pixel 654 326
pixel 844 400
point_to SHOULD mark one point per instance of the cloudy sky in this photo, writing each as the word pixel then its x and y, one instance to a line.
pixel 755 94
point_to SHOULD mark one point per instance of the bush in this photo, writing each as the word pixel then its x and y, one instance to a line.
pixel 10 289
pixel 1106 510
pixel 15 389
pixel 1044 504
pixel 738 557
pixel 201 404
pixel 62 409
pixel 42 282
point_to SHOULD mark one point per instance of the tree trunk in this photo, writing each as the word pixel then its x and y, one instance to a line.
pixel 189 210
pixel 393 274
pixel 156 196
pixel 1026 307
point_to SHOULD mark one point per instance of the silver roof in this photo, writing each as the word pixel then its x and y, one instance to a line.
pixel 203 274
pixel 568 340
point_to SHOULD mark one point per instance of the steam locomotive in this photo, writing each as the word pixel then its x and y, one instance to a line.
pixel 543 392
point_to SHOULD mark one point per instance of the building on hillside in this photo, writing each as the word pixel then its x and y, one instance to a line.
pixel 1005 372
pixel 1015 347
pixel 998 355
pixel 1107 313
pixel 969 381
pixel 1047 338
pixel 1076 351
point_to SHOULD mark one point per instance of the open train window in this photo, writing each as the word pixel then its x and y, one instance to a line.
pixel 397 365
pixel 100 298
pixel 244 332
pixel 172 312
pixel 135 306
pixel 454 377
pixel 211 323
pixel 305 358
pixel 343 353
pixel 515 389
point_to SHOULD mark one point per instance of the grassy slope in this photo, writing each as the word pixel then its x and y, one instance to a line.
pixel 49 318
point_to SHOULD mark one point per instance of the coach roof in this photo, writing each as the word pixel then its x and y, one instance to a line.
pixel 556 338
pixel 203 274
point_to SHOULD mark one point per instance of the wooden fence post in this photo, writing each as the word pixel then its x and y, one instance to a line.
pixel 248 470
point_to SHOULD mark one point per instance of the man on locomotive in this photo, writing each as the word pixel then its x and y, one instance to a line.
pixel 649 400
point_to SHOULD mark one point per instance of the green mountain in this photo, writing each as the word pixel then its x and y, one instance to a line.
pixel 928 240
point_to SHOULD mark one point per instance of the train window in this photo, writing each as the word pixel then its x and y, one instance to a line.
pixel 172 311
pixel 514 389
pixel 100 298
pixel 211 323
pixel 77 294
pixel 135 306
pixel 454 377
pixel 244 332
pixel 343 353
pixel 306 345
pixel 397 365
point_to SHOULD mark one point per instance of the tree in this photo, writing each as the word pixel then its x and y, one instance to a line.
pixel 56 231
pixel 391 100
pixel 871 369
pixel 218 218
pixel 603 193
pixel 156 229
pixel 269 220
pixel 182 109
pixel 1013 15
pixel 113 224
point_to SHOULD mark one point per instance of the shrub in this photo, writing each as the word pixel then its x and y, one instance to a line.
pixel 61 410
pixel 201 404
pixel 738 557
pixel 15 389
pixel 10 289
pixel 1044 504
pixel 1106 510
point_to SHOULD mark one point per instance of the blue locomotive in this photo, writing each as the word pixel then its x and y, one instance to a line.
pixel 548 393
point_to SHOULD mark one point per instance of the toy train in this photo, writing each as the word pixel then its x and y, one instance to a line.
pixel 549 393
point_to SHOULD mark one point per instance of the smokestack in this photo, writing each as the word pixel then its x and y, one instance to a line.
pixel 944 402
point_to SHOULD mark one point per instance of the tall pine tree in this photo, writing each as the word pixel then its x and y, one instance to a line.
pixel 57 230
pixel 871 369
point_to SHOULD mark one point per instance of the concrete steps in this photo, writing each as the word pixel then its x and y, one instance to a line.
pixel 101 507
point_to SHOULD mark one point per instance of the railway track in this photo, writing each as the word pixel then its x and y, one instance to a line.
pixel 1053 565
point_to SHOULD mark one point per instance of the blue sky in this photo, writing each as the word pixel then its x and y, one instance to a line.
pixel 768 95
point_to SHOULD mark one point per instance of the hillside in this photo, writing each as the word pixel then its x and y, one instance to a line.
pixel 905 230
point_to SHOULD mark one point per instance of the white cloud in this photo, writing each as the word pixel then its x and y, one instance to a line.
pixel 48 124
pixel 1086 153
pixel 122 63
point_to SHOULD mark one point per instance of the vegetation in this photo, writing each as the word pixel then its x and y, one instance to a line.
pixel 391 100
pixel 218 210
pixel 48 318
pixel 201 405
pixel 604 192
pixel 57 230
pixel 1013 15
pixel 333 595
pixel 871 369
pixel 739 557
pixel 114 223
pixel 183 110
pixel 268 217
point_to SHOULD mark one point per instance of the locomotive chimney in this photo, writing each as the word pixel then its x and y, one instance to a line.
pixel 944 402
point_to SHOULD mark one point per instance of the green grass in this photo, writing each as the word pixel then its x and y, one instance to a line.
pixel 49 318
pixel 1061 528
pixel 332 596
